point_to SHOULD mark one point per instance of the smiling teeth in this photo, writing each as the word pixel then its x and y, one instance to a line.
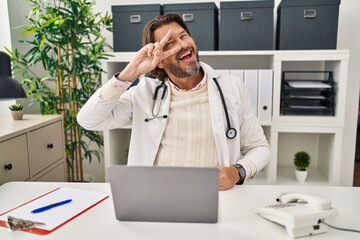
pixel 188 53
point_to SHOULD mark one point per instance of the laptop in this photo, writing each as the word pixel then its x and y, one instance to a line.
pixel 165 194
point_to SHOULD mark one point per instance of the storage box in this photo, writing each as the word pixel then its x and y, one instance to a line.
pixel 128 25
pixel 247 25
pixel 202 20
pixel 307 24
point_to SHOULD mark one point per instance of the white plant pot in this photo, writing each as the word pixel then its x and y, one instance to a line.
pixel 301 175
pixel 88 178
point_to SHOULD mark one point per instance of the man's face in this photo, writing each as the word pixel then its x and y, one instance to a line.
pixel 185 63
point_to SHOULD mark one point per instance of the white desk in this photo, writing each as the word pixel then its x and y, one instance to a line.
pixel 237 219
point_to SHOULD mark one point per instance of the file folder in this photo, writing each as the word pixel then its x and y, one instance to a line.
pixel 251 82
pixel 265 82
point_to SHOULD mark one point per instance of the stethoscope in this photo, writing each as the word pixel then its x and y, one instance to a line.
pixel 230 132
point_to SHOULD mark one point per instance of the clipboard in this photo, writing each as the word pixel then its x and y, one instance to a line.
pixel 82 200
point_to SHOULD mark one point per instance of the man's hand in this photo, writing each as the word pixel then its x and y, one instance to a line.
pixel 228 177
pixel 147 58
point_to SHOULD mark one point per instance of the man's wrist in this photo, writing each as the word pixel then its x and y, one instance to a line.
pixel 128 74
pixel 235 174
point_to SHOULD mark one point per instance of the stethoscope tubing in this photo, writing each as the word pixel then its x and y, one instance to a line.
pixel 230 132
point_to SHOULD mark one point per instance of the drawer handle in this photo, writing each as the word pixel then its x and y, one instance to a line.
pixel 246 16
pixel 310 13
pixel 188 17
pixel 135 18
pixel 50 145
pixel 8 166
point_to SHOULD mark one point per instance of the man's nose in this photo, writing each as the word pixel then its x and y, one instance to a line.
pixel 182 43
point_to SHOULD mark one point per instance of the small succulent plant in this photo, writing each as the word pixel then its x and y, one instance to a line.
pixel 16 107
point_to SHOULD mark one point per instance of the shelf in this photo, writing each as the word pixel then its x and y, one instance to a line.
pixel 286 176
pixel 322 136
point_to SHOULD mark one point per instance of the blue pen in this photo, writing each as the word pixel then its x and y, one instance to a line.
pixel 45 208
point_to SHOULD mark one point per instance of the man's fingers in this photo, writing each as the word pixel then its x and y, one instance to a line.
pixel 166 38
pixel 171 52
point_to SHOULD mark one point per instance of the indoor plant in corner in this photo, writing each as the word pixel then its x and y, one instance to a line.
pixel 65 38
pixel 16 111
pixel 302 163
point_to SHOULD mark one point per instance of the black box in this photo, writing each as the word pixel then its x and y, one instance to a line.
pixel 128 25
pixel 247 25
pixel 202 20
pixel 307 24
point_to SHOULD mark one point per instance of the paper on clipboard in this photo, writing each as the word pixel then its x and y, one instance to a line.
pixel 82 201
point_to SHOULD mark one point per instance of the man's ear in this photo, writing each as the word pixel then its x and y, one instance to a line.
pixel 160 65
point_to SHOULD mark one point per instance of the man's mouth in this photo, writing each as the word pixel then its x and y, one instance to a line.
pixel 185 56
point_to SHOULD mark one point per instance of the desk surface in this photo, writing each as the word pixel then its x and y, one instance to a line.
pixel 237 219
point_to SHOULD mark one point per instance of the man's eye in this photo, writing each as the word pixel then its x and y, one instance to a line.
pixel 168 44
pixel 183 36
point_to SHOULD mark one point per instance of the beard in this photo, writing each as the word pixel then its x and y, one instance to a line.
pixel 181 72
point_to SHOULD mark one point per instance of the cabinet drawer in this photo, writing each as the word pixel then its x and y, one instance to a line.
pixel 54 174
pixel 46 146
pixel 14 164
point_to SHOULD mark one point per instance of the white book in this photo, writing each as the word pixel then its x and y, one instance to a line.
pixel 251 82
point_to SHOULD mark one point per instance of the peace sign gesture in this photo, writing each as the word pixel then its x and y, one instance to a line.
pixel 147 58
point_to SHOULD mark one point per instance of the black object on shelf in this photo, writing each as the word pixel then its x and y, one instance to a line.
pixel 308 93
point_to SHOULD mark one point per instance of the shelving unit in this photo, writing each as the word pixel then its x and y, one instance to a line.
pixel 321 135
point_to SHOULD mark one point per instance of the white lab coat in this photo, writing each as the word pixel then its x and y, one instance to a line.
pixel 136 104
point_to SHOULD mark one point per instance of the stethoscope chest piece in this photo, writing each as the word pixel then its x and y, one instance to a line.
pixel 231 133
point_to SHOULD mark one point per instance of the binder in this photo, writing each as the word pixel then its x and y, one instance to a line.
pixel 265 82
pixel 251 82
pixel 82 201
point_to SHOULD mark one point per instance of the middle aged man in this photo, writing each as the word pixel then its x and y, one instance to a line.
pixel 190 115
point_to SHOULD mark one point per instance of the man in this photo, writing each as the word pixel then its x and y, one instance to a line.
pixel 180 118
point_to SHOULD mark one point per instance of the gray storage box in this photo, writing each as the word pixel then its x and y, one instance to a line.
pixel 202 20
pixel 128 25
pixel 307 24
pixel 247 25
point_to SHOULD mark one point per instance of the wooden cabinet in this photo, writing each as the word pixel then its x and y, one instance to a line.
pixel 325 137
pixel 32 149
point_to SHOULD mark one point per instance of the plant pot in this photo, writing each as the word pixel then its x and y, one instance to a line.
pixel 17 114
pixel 301 175
pixel 88 178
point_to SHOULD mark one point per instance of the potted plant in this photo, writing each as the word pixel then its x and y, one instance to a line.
pixel 16 111
pixel 302 163
pixel 65 38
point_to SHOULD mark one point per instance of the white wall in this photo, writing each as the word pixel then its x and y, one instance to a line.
pixel 5 40
pixel 349 38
